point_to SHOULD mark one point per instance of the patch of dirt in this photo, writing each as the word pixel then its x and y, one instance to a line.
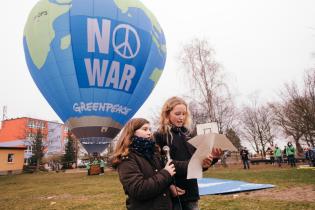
pixel 306 193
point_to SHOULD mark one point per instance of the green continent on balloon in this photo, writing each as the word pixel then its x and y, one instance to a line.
pixel 39 31
pixel 65 42
pixel 155 76
pixel 124 5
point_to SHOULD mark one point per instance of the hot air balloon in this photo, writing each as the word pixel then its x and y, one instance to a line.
pixel 95 62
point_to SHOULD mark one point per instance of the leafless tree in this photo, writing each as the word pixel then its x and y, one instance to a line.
pixel 198 114
pixel 225 112
pixel 287 119
pixel 257 126
pixel 198 60
pixel 309 107
pixel 208 88
pixel 295 114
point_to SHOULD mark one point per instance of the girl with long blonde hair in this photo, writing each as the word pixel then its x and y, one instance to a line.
pixel 174 132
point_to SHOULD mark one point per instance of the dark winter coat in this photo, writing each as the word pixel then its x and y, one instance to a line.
pixel 145 183
pixel 181 152
pixel 244 154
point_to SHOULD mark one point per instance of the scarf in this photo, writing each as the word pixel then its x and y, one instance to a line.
pixel 180 130
pixel 144 146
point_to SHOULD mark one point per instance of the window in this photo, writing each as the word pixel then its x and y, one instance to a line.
pixel 42 125
pixel 29 148
pixel 10 158
pixel 31 124
pixel 31 136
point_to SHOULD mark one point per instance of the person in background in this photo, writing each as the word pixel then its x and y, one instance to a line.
pixel 244 156
pixel 268 155
pixel 88 166
pixel 102 166
pixel 173 132
pixel 95 161
pixel 272 153
pixel 278 155
pixel 136 157
pixel 284 155
pixel 290 151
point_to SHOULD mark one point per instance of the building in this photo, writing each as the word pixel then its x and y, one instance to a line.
pixel 20 132
pixel 11 160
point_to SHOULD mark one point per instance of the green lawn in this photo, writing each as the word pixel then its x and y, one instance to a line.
pixel 79 191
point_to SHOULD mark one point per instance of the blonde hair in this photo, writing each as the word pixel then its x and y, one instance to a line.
pixel 122 146
pixel 168 106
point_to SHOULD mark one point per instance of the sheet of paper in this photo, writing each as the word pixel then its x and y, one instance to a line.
pixel 204 145
pixel 203 148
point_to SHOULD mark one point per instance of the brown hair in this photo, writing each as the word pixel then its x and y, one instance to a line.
pixel 168 106
pixel 122 146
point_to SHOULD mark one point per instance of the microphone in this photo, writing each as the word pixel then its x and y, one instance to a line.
pixel 166 149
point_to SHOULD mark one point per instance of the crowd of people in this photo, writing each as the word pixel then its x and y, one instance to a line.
pixel 274 155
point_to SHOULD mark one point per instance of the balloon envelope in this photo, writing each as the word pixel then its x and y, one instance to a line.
pixel 95 62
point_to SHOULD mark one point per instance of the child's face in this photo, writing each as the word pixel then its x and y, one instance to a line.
pixel 178 115
pixel 144 131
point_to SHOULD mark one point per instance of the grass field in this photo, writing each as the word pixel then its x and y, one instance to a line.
pixel 295 189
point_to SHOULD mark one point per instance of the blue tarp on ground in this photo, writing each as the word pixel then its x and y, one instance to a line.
pixel 209 186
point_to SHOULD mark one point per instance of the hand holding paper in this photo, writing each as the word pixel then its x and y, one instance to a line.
pixel 206 163
pixel 208 147
pixel 215 154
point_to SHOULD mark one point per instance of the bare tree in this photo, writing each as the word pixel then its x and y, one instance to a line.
pixel 209 90
pixel 225 112
pixel 309 108
pixel 257 127
pixel 287 119
pixel 295 114
pixel 198 60
pixel 198 114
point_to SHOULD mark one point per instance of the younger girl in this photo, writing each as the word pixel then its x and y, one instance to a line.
pixel 146 183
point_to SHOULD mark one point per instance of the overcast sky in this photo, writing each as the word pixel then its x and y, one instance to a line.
pixel 260 44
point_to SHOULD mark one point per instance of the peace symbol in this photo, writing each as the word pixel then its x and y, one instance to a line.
pixel 124 49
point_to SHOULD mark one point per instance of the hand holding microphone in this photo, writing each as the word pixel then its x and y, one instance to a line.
pixel 175 191
pixel 169 166
pixel 166 149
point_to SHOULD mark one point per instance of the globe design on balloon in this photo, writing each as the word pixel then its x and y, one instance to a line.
pixel 95 62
